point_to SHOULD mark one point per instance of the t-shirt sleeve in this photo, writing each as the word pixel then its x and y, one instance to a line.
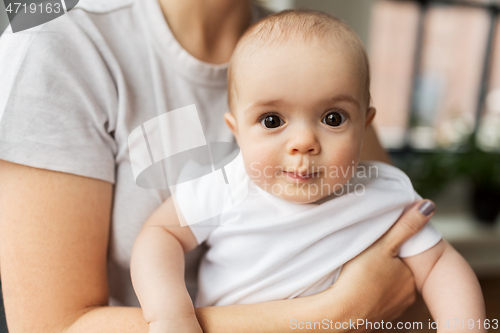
pixel 200 201
pixel 57 101
pixel 422 240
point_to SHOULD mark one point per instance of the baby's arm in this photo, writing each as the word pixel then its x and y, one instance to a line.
pixel 450 288
pixel 157 269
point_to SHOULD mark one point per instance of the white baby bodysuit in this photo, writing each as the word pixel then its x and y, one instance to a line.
pixel 264 248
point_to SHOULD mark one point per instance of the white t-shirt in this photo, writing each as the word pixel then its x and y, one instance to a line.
pixel 264 248
pixel 73 89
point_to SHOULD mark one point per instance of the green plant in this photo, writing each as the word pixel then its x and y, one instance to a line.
pixel 482 168
pixel 431 171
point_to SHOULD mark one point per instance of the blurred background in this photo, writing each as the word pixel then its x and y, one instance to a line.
pixel 436 86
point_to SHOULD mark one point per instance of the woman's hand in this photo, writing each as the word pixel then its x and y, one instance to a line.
pixel 377 280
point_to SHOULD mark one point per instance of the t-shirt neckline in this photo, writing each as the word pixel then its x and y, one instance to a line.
pixel 165 42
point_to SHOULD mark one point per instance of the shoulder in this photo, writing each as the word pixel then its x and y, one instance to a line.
pixel 69 27
pixel 382 176
pixel 76 41
pixel 376 169
pixel 58 97
pixel 58 49
pixel 103 7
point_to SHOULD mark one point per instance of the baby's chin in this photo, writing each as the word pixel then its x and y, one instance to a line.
pixel 316 191
pixel 302 199
pixel 302 194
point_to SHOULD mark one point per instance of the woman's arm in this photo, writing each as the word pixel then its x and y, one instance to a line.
pixel 54 230
pixel 53 246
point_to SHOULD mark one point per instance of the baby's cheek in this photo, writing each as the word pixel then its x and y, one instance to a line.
pixel 260 164
pixel 348 156
pixel 351 145
pixel 343 159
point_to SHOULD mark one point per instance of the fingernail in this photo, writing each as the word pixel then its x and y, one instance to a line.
pixel 427 208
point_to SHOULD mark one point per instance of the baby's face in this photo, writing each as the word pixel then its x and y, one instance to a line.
pixel 299 118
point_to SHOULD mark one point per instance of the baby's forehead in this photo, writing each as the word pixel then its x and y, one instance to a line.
pixel 292 30
pixel 295 43
pixel 328 51
pixel 333 37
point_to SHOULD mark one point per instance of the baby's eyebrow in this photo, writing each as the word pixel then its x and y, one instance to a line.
pixel 346 98
pixel 281 102
pixel 270 103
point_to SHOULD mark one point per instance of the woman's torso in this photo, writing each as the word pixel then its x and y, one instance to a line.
pixel 140 72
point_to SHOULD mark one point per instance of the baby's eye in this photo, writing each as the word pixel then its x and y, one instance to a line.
pixel 334 119
pixel 271 121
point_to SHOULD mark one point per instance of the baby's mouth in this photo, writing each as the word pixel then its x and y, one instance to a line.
pixel 299 177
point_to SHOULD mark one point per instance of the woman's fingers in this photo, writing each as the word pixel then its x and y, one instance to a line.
pixel 411 222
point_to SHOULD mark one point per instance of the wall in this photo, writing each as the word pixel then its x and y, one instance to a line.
pixel 356 13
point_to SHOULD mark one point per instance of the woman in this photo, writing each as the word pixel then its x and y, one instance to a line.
pixel 71 92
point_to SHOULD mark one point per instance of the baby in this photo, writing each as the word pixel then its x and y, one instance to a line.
pixel 298 204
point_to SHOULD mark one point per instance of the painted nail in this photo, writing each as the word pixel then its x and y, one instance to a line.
pixel 427 208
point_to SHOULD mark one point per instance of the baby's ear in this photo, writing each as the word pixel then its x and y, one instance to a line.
pixel 370 114
pixel 231 123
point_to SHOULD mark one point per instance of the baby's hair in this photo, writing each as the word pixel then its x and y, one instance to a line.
pixel 301 25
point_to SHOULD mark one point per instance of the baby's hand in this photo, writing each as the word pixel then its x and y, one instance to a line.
pixel 188 324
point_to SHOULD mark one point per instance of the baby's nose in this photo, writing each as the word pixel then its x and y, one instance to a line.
pixel 303 142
